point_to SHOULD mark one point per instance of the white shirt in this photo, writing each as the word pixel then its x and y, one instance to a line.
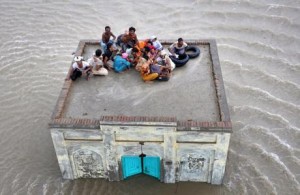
pixel 157 45
pixel 128 51
pixel 84 66
pixel 94 61
pixel 175 45
pixel 167 58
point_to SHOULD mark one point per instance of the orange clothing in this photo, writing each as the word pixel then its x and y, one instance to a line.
pixel 139 53
pixel 143 44
pixel 149 77
pixel 136 58
pixel 145 73
pixel 140 63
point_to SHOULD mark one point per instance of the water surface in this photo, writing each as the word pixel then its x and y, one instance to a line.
pixel 258 43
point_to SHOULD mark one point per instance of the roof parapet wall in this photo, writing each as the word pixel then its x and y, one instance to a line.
pixel 224 125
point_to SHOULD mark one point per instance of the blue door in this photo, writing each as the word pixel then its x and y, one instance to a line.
pixel 152 166
pixel 131 165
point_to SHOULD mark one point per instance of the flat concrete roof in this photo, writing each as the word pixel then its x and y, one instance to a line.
pixel 190 94
pixel 194 96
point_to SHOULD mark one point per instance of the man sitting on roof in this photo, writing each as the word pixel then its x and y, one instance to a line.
pixel 178 48
pixel 80 67
pixel 96 62
pixel 164 60
pixel 129 40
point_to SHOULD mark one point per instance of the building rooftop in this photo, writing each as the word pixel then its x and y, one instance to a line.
pixel 195 92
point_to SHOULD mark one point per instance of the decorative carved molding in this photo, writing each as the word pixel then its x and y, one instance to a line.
pixel 195 163
pixel 88 164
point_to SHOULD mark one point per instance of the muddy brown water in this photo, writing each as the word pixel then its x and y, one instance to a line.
pixel 258 43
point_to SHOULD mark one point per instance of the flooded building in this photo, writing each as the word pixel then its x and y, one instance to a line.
pixel 117 126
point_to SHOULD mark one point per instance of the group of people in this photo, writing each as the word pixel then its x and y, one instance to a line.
pixel 125 51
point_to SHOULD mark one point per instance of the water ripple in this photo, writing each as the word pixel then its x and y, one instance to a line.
pixel 258 44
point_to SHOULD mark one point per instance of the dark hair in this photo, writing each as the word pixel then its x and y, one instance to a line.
pixel 180 39
pixel 109 45
pixel 98 52
pixel 146 57
pixel 147 49
pixel 150 42
pixel 107 27
pixel 132 28
pixel 134 50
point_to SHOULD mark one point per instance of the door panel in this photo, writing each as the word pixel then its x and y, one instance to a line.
pixel 131 165
pixel 152 166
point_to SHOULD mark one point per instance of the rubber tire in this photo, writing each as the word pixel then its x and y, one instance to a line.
pixel 180 63
pixel 194 49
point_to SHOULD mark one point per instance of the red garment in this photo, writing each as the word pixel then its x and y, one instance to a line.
pixel 151 47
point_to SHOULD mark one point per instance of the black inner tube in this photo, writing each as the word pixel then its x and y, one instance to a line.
pixel 194 49
pixel 180 62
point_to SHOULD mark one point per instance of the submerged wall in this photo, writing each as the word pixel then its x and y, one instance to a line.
pixel 186 155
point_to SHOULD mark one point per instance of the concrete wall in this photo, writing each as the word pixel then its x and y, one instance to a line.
pixel 186 155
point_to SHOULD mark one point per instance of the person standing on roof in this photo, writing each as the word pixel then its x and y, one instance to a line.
pixel 106 38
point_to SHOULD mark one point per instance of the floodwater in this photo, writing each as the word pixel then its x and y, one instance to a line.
pixel 259 50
